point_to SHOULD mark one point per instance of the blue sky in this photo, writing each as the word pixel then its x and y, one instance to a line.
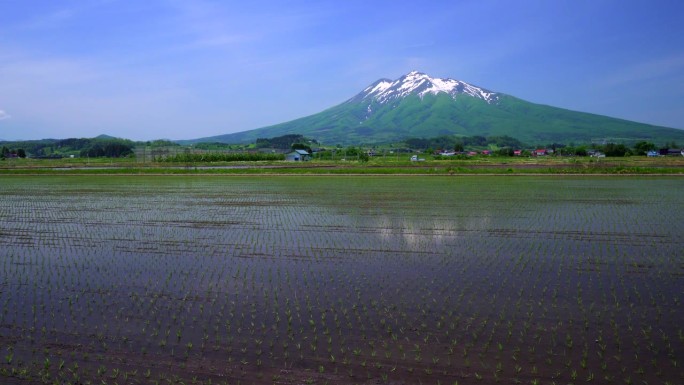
pixel 184 69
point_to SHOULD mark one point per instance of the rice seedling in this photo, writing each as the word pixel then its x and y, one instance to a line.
pixel 502 281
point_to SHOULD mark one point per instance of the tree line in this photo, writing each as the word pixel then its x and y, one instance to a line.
pixel 459 144
pixel 284 142
pixel 83 147
pixel 6 152
pixel 505 146
pixel 188 157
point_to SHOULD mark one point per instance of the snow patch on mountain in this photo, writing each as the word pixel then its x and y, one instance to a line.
pixel 381 86
pixel 421 84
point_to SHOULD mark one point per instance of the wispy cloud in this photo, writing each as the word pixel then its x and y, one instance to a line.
pixel 221 40
pixel 650 69
pixel 49 20
pixel 45 72
pixel 80 95
pixel 157 67
pixel 205 24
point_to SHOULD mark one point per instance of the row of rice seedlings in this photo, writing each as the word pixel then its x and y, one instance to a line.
pixel 416 303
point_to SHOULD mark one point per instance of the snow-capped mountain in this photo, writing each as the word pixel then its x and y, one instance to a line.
pixel 419 106
pixel 420 84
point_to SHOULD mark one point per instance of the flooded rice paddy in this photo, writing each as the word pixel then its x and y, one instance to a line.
pixel 341 280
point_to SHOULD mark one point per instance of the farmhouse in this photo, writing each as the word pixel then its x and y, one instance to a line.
pixel 671 152
pixel 297 156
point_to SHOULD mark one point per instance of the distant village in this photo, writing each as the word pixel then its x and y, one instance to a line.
pixel 297 148
pixel 307 155
pixel 559 152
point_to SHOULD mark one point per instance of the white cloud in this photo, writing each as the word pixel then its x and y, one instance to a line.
pixel 4 115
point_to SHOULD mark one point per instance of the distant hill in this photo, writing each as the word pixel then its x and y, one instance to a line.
pixel 101 146
pixel 105 136
pixel 417 105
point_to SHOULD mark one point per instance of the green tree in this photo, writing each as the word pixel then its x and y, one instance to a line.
pixel 581 151
pixel 506 151
pixel 572 150
pixel 111 150
pixel 612 149
pixel 21 153
pixel 301 146
pixel 641 148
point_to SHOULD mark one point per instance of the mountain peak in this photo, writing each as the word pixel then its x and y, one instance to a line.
pixel 389 111
pixel 421 84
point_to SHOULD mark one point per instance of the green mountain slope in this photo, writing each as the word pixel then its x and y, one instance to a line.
pixel 419 106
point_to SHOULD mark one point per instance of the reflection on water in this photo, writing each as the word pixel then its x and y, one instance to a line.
pixel 146 267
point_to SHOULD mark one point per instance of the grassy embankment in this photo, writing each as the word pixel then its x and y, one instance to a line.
pixel 378 165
